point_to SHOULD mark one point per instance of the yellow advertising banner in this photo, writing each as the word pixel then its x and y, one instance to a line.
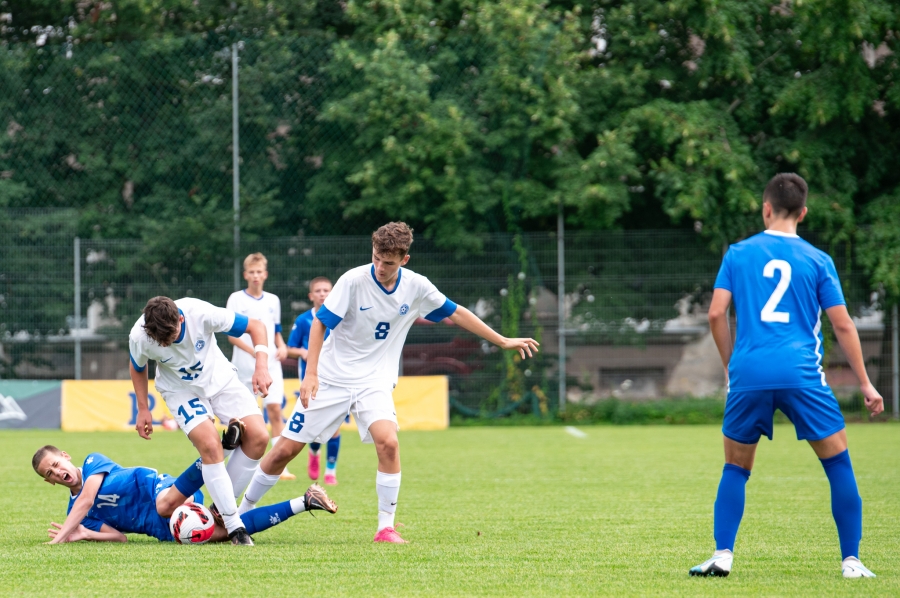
pixel 422 403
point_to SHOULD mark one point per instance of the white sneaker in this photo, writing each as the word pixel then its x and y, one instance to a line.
pixel 717 566
pixel 852 568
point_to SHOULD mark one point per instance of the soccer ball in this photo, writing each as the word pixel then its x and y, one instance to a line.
pixel 192 523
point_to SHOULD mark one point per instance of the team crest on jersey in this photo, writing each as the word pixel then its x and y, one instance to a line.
pixel 200 344
pixel 404 309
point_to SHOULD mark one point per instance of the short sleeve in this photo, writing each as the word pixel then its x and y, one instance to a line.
pixel 295 340
pixel 434 306
pixel 217 319
pixel 136 352
pixel 336 304
pixel 232 302
pixel 723 280
pixel 92 524
pixel 96 463
pixel 829 290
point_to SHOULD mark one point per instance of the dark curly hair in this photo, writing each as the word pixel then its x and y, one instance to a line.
pixel 161 320
pixel 394 238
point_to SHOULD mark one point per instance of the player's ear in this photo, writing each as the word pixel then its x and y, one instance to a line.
pixel 802 214
pixel 66 455
pixel 406 259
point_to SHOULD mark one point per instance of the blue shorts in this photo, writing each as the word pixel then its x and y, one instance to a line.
pixel 813 411
pixel 159 526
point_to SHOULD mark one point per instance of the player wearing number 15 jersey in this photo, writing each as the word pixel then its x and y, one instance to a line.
pixel 780 285
pixel 369 312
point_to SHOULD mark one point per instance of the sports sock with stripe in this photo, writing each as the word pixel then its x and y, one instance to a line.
pixel 846 504
pixel 729 507
pixel 331 450
pixel 262 518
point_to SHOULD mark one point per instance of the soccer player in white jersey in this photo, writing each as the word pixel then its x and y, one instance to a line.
pixel 369 312
pixel 197 382
pixel 254 302
pixel 781 284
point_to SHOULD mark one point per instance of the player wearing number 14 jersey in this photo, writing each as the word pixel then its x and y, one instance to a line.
pixel 369 312
pixel 780 285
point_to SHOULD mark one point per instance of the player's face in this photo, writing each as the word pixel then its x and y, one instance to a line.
pixel 319 293
pixel 387 266
pixel 58 469
pixel 256 275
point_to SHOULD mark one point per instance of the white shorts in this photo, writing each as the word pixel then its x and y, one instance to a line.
pixel 326 413
pixel 276 389
pixel 189 410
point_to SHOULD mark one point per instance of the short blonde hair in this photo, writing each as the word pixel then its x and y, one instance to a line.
pixel 255 258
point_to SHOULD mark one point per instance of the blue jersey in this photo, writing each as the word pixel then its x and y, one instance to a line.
pixel 299 337
pixel 780 284
pixel 126 500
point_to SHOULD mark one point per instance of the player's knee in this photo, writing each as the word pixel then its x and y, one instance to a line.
pixel 388 448
pixel 255 439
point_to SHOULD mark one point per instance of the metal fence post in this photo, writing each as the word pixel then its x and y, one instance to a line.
pixel 561 304
pixel 76 327
pixel 235 166
pixel 895 361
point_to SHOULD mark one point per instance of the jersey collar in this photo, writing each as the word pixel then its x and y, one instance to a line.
pixel 384 290
pixel 778 233
pixel 260 298
pixel 180 336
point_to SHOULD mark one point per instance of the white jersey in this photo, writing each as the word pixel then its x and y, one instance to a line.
pixel 266 309
pixel 369 325
pixel 194 362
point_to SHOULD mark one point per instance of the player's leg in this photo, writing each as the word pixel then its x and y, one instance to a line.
pixel 235 402
pixel 321 417
pixel 332 450
pixel 172 492
pixel 262 518
pixel 376 421
pixel 273 405
pixel 817 418
pixel 748 415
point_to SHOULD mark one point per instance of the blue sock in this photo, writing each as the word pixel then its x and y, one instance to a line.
pixel 262 518
pixel 191 480
pixel 314 447
pixel 729 507
pixel 198 497
pixel 334 445
pixel 846 505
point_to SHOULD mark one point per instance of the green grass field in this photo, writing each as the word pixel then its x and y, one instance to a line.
pixel 487 511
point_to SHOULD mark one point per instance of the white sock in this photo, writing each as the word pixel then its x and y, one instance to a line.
pixel 240 469
pixel 259 485
pixel 215 476
pixel 275 440
pixel 387 485
pixel 724 551
pixel 227 453
pixel 298 505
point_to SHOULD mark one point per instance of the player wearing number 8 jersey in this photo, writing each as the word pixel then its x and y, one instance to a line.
pixel 780 285
pixel 369 312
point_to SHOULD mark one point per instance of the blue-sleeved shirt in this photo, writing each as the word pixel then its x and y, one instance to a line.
pixel 299 338
pixel 780 284
pixel 126 500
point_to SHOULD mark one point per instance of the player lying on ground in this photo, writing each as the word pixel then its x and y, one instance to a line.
pixel 198 382
pixel 261 305
pixel 369 312
pixel 298 347
pixel 781 284
pixel 107 500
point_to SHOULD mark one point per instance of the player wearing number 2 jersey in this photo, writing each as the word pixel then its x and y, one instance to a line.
pixel 780 285
pixel 369 312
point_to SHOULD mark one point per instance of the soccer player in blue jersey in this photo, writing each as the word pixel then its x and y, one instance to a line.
pixel 780 285
pixel 298 347
pixel 369 313
pixel 107 500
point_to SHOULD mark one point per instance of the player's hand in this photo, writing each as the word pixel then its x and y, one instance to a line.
pixel 522 345
pixel 308 389
pixel 281 353
pixel 874 402
pixel 79 534
pixel 261 381
pixel 144 425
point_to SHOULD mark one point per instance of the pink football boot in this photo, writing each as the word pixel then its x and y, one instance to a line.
pixel 313 469
pixel 389 534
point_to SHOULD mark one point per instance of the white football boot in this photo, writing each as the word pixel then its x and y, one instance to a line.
pixel 852 568
pixel 719 565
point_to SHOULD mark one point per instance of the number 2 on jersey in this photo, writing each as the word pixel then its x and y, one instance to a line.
pixel 768 313
pixel 381 330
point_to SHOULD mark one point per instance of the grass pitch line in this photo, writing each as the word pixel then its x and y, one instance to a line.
pixel 572 430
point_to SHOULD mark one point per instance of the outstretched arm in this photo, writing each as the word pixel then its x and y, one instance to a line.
pixel 848 338
pixel 466 319
pixel 80 509
pixel 106 534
